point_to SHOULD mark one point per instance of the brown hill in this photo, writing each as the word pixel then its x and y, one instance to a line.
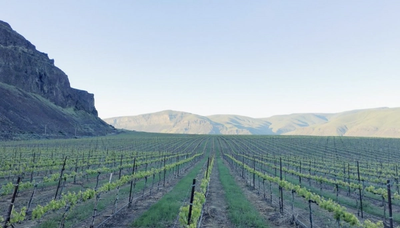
pixel 167 122
pixel 379 122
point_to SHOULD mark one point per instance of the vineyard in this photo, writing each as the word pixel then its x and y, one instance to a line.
pixel 162 180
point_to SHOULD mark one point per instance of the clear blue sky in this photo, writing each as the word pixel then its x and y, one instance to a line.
pixel 252 58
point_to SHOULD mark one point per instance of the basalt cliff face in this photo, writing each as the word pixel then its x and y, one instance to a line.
pixel 36 96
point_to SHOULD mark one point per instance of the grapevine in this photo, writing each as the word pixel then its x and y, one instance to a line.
pixel 339 212
pixel 198 201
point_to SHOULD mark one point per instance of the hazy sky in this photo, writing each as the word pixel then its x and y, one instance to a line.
pixel 252 58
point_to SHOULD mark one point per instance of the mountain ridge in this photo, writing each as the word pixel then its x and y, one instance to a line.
pixel 375 122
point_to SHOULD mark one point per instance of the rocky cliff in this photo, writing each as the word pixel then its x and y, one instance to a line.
pixel 28 77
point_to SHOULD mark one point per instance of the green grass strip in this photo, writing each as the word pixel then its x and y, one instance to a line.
pixel 165 211
pixel 240 211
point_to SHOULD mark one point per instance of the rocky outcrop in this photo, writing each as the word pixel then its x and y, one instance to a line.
pixel 35 93
pixel 22 66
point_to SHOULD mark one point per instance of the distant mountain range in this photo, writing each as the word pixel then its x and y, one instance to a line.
pixel 378 122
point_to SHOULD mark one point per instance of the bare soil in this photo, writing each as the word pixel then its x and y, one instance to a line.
pixel 215 209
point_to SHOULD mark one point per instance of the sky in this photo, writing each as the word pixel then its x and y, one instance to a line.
pixel 252 58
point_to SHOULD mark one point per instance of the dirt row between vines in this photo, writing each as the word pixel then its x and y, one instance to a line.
pixel 127 216
pixel 215 209
pixel 269 212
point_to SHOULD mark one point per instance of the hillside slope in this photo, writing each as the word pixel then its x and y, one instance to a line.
pixel 167 122
pixel 379 122
pixel 282 124
pixel 36 96
pixel 234 124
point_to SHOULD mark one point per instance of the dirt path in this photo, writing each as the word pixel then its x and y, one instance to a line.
pixel 215 209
